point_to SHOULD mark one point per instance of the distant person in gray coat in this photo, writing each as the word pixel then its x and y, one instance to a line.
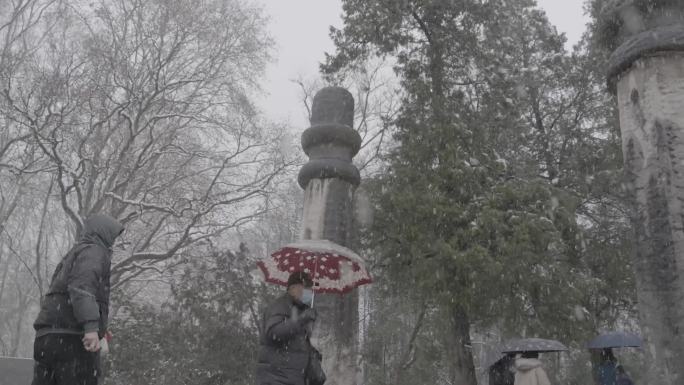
pixel 285 348
pixel 74 312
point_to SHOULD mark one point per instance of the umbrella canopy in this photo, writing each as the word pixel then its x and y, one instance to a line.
pixel 333 268
pixel 539 345
pixel 615 340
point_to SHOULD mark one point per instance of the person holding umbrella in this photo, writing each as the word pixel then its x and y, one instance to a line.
pixel 528 367
pixel 285 354
pixel 529 370
pixel 606 373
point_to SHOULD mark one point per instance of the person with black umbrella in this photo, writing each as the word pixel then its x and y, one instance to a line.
pixel 528 367
pixel 529 370
pixel 606 370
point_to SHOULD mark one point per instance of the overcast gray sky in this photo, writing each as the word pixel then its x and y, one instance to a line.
pixel 300 29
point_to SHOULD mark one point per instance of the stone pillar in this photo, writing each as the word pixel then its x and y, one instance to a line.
pixel 329 180
pixel 646 72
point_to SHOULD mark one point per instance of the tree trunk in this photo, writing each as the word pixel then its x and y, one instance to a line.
pixel 40 253
pixel 650 96
pixel 3 281
pixel 22 302
pixel 462 368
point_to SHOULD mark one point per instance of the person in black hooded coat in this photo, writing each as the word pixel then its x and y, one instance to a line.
pixel 501 372
pixel 75 310
pixel 285 348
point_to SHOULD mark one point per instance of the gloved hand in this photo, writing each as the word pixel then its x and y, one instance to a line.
pixel 308 315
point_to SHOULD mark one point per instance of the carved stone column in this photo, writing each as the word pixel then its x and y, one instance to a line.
pixel 647 73
pixel 329 180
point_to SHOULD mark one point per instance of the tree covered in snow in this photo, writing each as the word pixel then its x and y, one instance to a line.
pixel 139 109
pixel 499 212
pixel 206 332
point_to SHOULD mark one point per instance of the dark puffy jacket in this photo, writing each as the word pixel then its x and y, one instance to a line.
pixel 501 372
pixel 284 344
pixel 78 299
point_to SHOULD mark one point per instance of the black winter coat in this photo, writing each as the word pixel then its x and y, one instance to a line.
pixel 501 372
pixel 78 299
pixel 284 344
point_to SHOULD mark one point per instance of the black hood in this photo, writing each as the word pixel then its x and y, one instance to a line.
pixel 101 229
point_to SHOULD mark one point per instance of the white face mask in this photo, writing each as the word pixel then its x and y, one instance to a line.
pixel 307 297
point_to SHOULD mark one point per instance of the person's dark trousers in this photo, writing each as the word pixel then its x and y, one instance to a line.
pixel 61 359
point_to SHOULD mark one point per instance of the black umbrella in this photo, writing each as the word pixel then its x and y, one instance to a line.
pixel 615 340
pixel 538 345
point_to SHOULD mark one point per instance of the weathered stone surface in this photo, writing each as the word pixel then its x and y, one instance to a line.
pixel 333 105
pixel 654 42
pixel 647 72
pixel 620 20
pixel 650 99
pixel 331 142
pixel 637 28
pixel 342 137
pixel 329 180
pixel 325 168
pixel 15 371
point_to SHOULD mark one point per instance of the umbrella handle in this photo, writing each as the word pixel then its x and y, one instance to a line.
pixel 313 295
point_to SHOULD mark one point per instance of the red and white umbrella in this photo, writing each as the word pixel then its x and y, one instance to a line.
pixel 333 268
